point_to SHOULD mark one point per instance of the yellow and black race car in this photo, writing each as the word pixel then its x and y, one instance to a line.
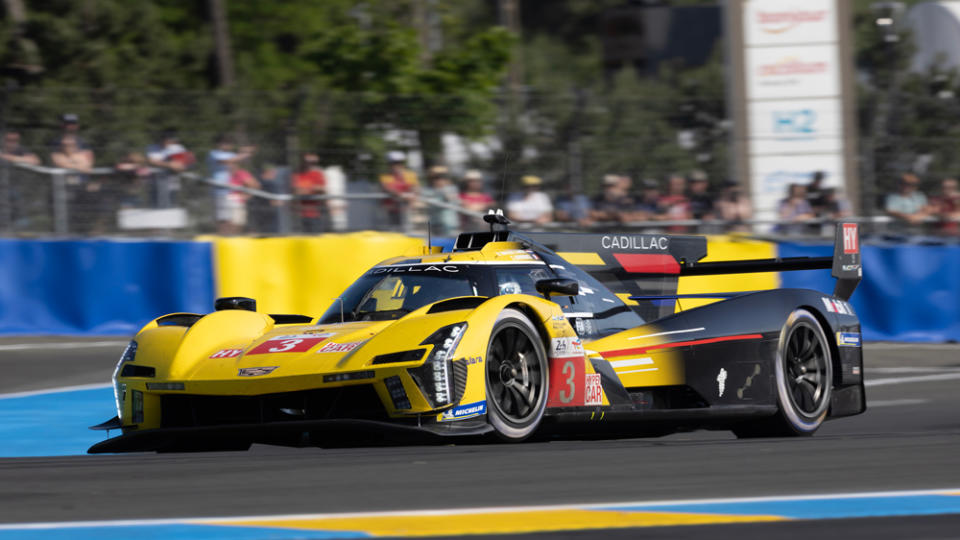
pixel 504 336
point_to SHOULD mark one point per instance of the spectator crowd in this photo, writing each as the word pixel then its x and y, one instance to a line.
pixel 677 203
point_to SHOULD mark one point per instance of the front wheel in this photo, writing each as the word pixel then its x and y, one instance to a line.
pixel 516 377
pixel 804 373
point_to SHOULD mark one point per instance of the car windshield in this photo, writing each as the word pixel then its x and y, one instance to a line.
pixel 390 292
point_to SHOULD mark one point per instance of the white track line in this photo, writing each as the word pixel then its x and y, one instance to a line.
pixel 917 369
pixel 894 402
pixel 916 379
pixel 478 510
pixel 55 390
pixel 68 345
pixel 922 346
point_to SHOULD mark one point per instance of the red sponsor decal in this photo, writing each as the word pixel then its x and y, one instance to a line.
pixel 593 389
pixel 792 66
pixel 227 353
pixel 850 242
pixel 286 344
pixel 566 382
pixel 776 22
pixel 641 263
pixel 339 347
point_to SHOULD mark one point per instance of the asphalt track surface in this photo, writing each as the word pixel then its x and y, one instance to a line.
pixel 909 439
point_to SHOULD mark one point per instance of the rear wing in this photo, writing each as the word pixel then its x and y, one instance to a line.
pixel 845 263
pixel 648 266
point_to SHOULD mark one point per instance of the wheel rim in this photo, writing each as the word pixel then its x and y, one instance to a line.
pixel 806 370
pixel 515 375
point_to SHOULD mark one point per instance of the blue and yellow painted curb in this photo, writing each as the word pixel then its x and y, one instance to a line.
pixel 511 520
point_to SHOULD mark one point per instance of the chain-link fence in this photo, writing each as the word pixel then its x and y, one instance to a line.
pixel 572 140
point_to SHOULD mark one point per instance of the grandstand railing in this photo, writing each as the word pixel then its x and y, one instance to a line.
pixel 39 200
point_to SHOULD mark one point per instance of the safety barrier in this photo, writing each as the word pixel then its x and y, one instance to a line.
pixel 99 287
pixel 909 292
pixel 301 274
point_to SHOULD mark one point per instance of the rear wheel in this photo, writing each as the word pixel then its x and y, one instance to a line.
pixel 516 377
pixel 804 373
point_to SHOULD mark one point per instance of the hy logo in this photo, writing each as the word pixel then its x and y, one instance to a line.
pixel 850 244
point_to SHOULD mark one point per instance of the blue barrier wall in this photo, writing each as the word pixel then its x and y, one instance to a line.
pixel 99 286
pixel 908 292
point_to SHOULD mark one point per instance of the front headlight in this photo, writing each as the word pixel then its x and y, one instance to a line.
pixel 434 376
pixel 120 390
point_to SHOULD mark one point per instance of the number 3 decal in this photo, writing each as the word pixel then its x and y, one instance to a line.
pixel 566 376
pixel 569 371
pixel 286 345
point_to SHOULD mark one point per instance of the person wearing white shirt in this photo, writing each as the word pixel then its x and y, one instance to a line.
pixel 531 206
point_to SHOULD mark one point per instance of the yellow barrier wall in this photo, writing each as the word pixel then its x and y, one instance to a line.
pixel 301 274
pixel 730 248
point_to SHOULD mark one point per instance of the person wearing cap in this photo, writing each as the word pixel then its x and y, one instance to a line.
pixel 403 186
pixel 908 204
pixel 532 205
pixel 169 157
pixel 308 181
pixel 648 207
pixel 614 203
pixel 475 198
pixel 70 125
pixel 443 221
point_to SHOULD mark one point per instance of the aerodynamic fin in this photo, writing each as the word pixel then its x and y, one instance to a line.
pixel 847 265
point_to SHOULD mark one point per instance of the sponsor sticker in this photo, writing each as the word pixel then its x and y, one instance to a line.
pixel 848 339
pixel 593 393
pixel 721 382
pixel 645 242
pixel 838 306
pixel 339 347
pixel 473 360
pixel 566 347
pixel 460 412
pixel 289 344
pixel 449 268
pixel 850 243
pixel 256 371
pixel 227 353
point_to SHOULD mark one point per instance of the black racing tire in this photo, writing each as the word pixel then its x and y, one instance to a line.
pixel 516 377
pixel 803 370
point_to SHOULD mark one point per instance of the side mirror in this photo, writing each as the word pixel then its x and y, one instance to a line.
pixel 558 287
pixel 235 302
